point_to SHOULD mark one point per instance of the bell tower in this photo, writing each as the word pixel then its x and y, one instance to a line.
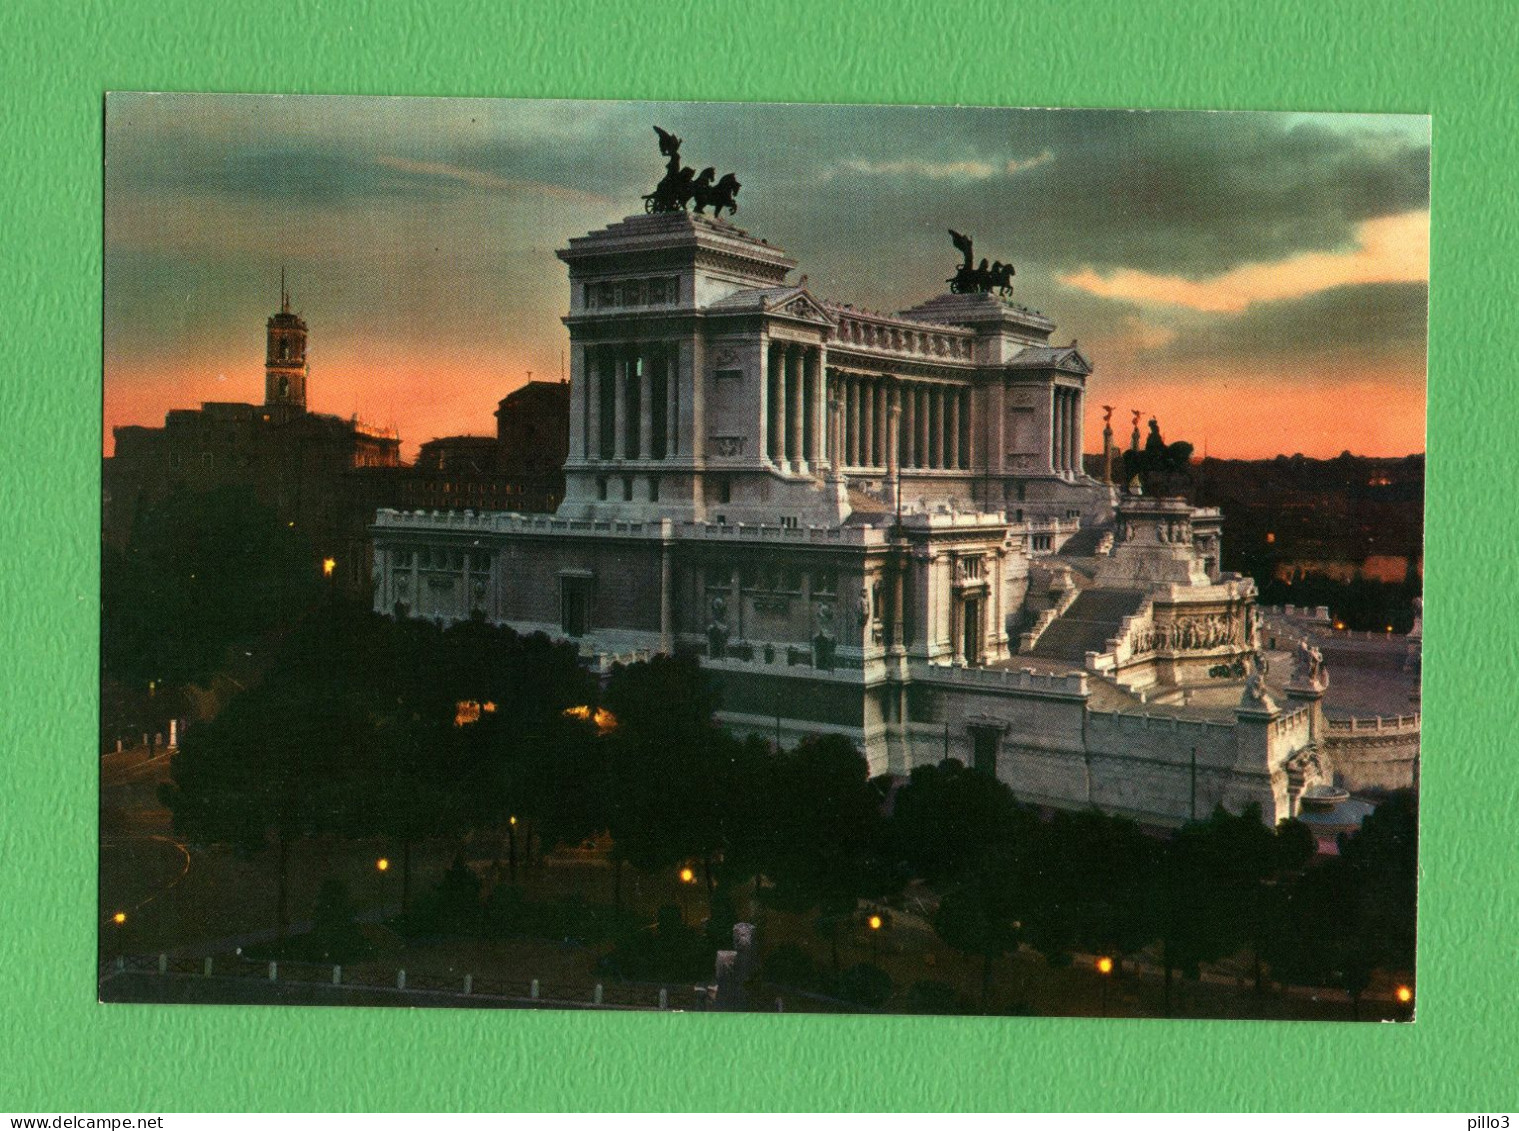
pixel 285 359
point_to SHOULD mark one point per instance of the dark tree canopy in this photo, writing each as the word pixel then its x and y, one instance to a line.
pixel 201 571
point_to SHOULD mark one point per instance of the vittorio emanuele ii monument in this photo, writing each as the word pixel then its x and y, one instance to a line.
pixel 880 526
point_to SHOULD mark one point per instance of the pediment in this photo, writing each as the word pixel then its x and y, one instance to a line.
pixel 1074 362
pixel 802 305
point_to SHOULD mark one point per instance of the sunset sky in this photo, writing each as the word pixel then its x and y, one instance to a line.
pixel 1257 281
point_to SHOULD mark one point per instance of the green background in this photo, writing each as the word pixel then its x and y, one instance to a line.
pixel 62 1051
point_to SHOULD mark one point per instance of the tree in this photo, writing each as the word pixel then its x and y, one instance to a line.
pixel 1082 881
pixel 826 836
pixel 335 934
pixel 1355 913
pixel 947 817
pixel 200 571
pixel 979 917
pixel 270 767
pixel 680 789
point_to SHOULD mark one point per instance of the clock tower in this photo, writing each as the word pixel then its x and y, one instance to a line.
pixel 285 360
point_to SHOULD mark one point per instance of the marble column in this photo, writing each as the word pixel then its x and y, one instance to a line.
pixel 672 400
pixel 620 408
pixel 884 435
pixel 1055 430
pixel 922 399
pixel 794 408
pixel 954 429
pixel 817 408
pixel 778 407
pixel 867 422
pixel 936 427
pixel 595 366
pixel 967 431
pixel 909 425
pixel 835 426
pixel 1076 460
pixel 846 393
pixel 645 403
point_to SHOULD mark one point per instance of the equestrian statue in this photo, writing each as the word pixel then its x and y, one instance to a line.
pixel 682 187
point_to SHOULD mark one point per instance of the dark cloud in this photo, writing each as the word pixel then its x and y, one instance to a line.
pixel 1186 194
pixel 1374 323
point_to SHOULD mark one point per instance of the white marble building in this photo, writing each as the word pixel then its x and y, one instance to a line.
pixel 876 525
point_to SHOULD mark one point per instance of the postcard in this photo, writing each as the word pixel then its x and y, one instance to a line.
pixel 762 558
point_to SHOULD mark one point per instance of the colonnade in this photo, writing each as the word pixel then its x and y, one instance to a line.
pixel 794 407
pixel 933 432
pixel 633 407
pixel 1065 431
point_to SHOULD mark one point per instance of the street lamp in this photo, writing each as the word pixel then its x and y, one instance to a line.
pixel 328 565
pixel 1105 971
pixel 120 918
pixel 687 878
pixel 875 923
pixel 1405 996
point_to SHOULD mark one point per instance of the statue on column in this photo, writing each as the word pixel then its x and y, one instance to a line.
pixel 717 630
pixel 1107 443
pixel 984 279
pixel 1308 667
pixel 1256 696
pixel 680 186
pixel 823 641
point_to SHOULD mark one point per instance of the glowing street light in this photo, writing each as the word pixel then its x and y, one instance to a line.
pixel 382 865
pixel 119 918
pixel 1105 968
pixel 328 565
pixel 875 923
pixel 687 876
pixel 1405 995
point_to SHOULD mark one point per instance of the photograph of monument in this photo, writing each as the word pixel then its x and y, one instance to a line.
pixel 924 560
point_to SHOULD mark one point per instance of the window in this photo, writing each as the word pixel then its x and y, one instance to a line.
pixel 724 491
pixel 788 521
pixel 1041 542
pixel 601 489
pixel 627 488
pixel 1072 514
pixel 575 605
pixel 985 742
pixel 653 488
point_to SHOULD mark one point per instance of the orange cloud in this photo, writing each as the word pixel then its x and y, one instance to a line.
pixel 1390 249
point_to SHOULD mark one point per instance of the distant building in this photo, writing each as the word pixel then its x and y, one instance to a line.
pixel 521 468
pixel 299 463
pixel 328 475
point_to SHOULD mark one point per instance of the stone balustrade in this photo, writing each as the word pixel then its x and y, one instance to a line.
pixel 1066 684
pixel 1400 724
